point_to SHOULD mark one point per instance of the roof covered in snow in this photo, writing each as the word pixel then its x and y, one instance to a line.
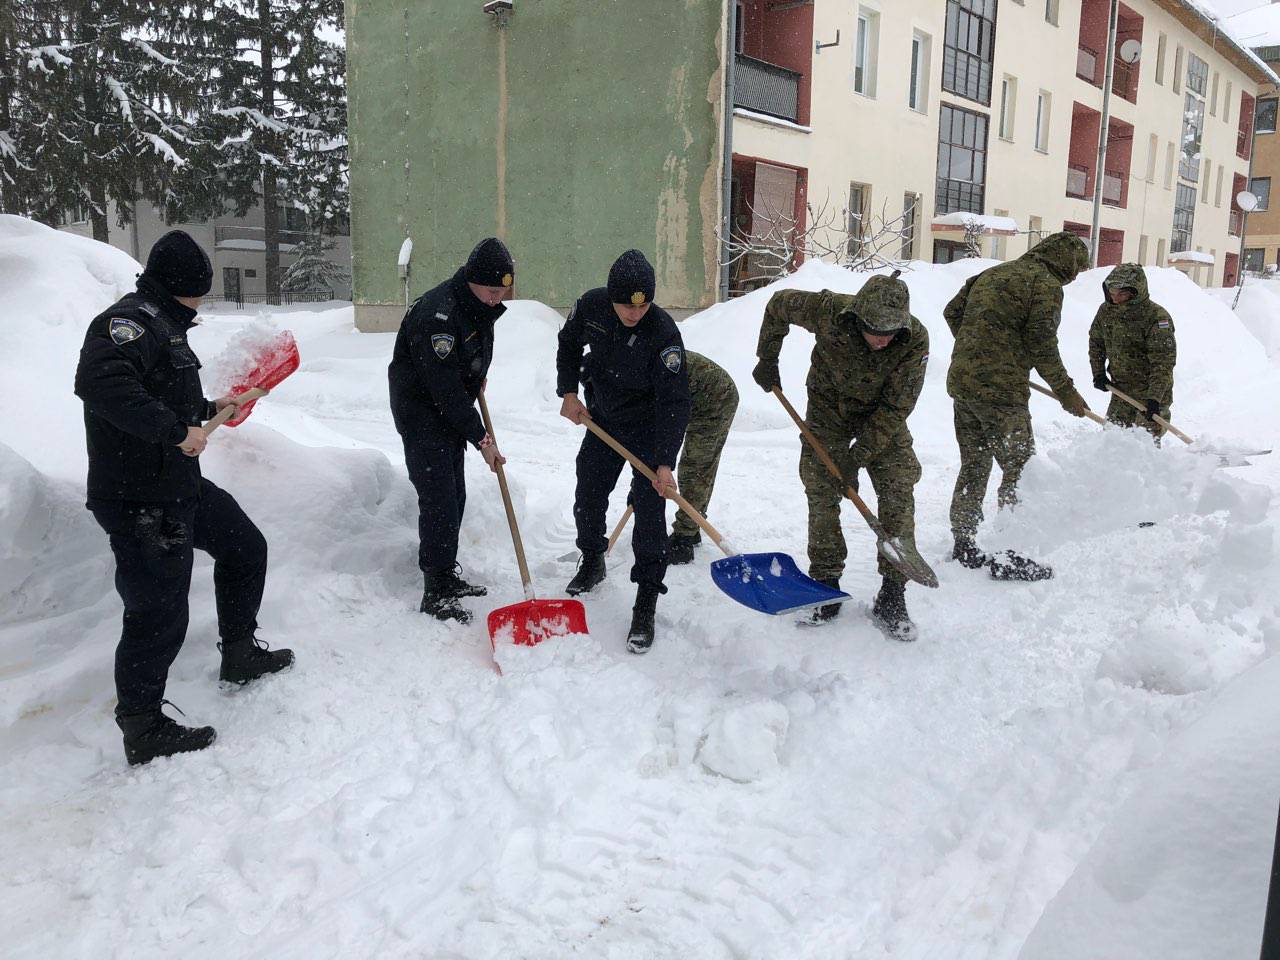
pixel 1259 27
pixel 1191 256
pixel 990 224
pixel 1237 47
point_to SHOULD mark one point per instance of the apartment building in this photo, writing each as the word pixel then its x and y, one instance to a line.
pixel 1260 29
pixel 993 107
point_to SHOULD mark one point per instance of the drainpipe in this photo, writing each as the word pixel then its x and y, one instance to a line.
pixel 1100 175
pixel 726 184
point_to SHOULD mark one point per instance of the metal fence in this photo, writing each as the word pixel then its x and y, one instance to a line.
pixel 286 298
pixel 766 88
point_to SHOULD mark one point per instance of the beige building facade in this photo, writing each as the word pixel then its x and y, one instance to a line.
pixel 904 111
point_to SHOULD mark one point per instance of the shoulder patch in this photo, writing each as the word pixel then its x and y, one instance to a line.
pixel 1163 324
pixel 442 344
pixel 441 316
pixel 124 331
pixel 672 357
pixel 924 360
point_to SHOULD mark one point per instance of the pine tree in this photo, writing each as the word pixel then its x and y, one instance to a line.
pixel 312 271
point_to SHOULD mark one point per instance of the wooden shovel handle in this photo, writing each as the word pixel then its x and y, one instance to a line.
pixel 227 412
pixel 680 501
pixel 622 525
pixel 525 580
pixel 1049 393
pixel 830 464
pixel 1143 407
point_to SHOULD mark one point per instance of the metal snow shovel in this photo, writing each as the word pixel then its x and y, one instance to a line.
pixel 613 537
pixel 274 362
pixel 1225 454
pixel 768 582
pixel 903 556
pixel 530 622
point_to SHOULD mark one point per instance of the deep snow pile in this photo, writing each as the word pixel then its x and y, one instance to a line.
pixel 749 789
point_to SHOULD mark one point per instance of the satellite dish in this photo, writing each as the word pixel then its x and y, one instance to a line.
pixel 1246 201
pixel 1131 51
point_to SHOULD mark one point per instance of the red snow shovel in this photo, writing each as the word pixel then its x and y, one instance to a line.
pixel 274 362
pixel 530 622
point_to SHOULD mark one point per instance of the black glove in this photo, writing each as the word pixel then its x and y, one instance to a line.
pixel 766 374
pixel 1101 382
pixel 1153 409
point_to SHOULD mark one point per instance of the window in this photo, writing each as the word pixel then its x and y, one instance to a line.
pixel 1153 147
pixel 998 240
pixel 1044 103
pixel 739 26
pixel 1226 105
pixel 962 160
pixel 865 50
pixel 1192 130
pixel 910 209
pixel 859 204
pixel 1184 215
pixel 1255 259
pixel 1161 44
pixel 1208 175
pixel 1051 11
pixel 1160 252
pixel 1213 96
pixel 1266 115
pixel 948 251
pixel 1260 187
pixel 968 48
pixel 1168 167
pixel 918 95
pixel 250 272
pixel 1008 104
pixel 1035 231
pixel 1197 74
pixel 1244 133
pixel 1217 191
pixel 1177 70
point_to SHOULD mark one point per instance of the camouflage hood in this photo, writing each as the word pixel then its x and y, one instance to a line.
pixel 1064 254
pixel 1131 276
pixel 882 306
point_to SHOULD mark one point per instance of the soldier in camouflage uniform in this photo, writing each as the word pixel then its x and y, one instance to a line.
pixel 715 401
pixel 1131 345
pixel 1005 321
pixel 865 375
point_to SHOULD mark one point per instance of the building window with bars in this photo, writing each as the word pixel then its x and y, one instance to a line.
pixel 1197 74
pixel 968 49
pixel 962 160
pixel 1184 215
pixel 1192 131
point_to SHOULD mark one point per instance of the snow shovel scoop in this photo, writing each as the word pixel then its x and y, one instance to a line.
pixel 613 537
pixel 530 622
pixel 1226 455
pixel 272 363
pixel 767 582
pixel 903 556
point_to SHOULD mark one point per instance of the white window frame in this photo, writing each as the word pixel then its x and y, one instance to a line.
pixel 866 41
pixel 1051 12
pixel 1044 117
pixel 1008 107
pixel 921 56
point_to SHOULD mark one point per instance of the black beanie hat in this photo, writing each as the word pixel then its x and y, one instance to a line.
pixel 177 263
pixel 631 279
pixel 490 264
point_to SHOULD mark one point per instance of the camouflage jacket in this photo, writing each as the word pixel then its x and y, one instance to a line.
pixel 1133 343
pixel 1005 321
pixel 846 376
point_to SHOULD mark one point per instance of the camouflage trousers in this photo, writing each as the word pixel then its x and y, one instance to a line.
pixel 894 474
pixel 987 433
pixel 709 421
pixel 1128 415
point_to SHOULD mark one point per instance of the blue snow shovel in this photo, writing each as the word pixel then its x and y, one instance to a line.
pixel 768 582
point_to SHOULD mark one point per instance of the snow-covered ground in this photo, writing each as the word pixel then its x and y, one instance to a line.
pixel 1081 768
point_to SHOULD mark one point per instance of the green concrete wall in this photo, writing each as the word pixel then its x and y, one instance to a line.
pixel 612 140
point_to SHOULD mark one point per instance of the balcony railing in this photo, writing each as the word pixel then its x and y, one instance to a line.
pixel 1077 181
pixel 226 233
pixel 1087 64
pixel 766 88
pixel 1235 223
pixel 1112 188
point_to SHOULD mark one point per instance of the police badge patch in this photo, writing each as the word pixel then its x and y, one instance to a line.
pixel 124 331
pixel 442 343
pixel 671 359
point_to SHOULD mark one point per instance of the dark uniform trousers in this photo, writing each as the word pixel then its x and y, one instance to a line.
pixel 436 468
pixel 153 545
pixel 598 470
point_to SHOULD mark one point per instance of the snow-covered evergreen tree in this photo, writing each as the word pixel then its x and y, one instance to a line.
pixel 312 271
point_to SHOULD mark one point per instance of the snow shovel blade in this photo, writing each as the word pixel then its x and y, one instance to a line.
pixel 906 559
pixel 528 623
pixel 770 583
pixel 276 361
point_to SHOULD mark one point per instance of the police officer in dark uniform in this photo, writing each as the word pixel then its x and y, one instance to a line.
pixel 143 410
pixel 437 371
pixel 637 389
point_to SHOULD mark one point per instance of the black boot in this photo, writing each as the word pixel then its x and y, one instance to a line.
pixel 151 734
pixel 968 554
pixel 680 549
pixel 1008 565
pixel 439 598
pixel 453 580
pixel 640 636
pixel 590 574
pixel 249 659
pixel 828 611
pixel 890 610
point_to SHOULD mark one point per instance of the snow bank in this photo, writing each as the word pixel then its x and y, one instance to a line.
pixel 1258 309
